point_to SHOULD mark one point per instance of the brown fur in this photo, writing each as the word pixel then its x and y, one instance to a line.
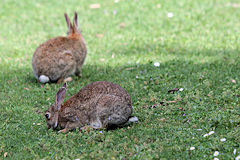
pixel 99 105
pixel 60 57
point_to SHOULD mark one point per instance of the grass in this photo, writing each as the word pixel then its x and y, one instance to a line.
pixel 198 50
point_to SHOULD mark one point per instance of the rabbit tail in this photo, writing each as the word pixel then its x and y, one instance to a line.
pixel 132 119
pixel 43 79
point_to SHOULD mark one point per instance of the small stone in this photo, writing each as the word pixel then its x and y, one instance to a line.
pixel 238 157
pixel 234 151
pixel 205 135
pixel 192 148
pixel 170 15
pixel 216 153
pixel 181 89
pixel 211 132
pixel 156 64
pixel 113 55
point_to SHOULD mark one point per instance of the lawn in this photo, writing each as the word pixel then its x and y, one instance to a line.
pixel 196 43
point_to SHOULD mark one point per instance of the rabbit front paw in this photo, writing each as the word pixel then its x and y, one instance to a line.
pixel 65 130
pixel 86 128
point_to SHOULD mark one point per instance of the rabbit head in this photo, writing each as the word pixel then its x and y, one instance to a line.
pixel 72 27
pixel 52 114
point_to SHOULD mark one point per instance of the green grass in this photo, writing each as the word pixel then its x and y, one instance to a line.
pixel 198 49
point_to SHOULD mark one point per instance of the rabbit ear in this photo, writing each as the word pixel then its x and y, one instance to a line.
pixel 60 97
pixel 68 21
pixel 75 20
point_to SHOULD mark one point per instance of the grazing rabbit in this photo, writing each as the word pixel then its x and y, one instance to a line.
pixel 98 105
pixel 60 57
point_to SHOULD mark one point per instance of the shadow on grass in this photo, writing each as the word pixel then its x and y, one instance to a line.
pixel 140 80
pixel 129 72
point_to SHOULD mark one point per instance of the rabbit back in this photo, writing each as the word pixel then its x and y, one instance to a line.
pixel 92 91
pixel 58 57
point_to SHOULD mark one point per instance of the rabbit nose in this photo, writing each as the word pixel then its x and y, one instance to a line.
pixel 48 126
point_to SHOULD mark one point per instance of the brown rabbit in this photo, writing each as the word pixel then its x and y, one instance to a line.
pixel 60 57
pixel 98 105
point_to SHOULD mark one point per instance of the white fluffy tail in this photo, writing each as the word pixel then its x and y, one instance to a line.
pixel 43 79
pixel 133 119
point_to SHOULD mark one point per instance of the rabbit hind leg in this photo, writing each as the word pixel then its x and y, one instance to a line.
pixel 93 125
pixel 70 126
pixel 116 120
pixel 120 115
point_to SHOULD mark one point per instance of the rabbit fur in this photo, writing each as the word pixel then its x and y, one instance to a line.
pixel 98 105
pixel 60 57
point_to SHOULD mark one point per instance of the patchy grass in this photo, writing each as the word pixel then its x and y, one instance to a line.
pixel 198 50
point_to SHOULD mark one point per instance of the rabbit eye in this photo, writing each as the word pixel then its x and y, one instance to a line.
pixel 47 115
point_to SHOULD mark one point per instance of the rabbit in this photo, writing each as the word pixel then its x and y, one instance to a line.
pixel 60 57
pixel 98 105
